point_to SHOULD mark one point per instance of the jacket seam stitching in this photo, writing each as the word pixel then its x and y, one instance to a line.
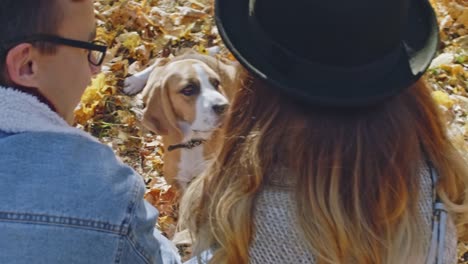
pixel 130 236
pixel 130 210
pixel 135 247
pixel 118 256
pixel 53 220
pixel 126 222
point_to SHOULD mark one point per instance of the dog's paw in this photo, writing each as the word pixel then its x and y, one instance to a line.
pixel 137 106
pixel 134 84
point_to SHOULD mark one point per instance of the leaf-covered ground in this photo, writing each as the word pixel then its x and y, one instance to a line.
pixel 139 31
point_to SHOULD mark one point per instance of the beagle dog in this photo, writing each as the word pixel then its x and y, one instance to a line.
pixel 185 99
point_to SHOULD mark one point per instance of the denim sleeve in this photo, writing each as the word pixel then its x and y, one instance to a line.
pixel 144 241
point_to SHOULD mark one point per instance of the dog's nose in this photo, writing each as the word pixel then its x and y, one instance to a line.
pixel 220 108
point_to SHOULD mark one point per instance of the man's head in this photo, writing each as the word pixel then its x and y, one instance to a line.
pixel 60 73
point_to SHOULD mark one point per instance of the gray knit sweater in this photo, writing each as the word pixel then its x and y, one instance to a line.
pixel 277 238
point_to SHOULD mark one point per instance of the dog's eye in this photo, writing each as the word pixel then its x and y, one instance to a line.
pixel 189 90
pixel 215 83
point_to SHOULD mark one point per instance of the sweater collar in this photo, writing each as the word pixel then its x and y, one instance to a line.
pixel 22 112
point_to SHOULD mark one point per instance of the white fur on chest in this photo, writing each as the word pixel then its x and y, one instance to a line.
pixel 192 163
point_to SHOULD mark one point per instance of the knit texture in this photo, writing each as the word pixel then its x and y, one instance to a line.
pixel 277 237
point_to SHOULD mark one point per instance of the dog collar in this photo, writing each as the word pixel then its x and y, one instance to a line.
pixel 188 145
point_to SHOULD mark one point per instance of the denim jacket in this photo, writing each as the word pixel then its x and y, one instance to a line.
pixel 65 197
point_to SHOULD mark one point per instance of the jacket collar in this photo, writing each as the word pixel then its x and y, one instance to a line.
pixel 21 112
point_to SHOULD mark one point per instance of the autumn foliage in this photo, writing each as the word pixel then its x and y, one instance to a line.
pixel 140 31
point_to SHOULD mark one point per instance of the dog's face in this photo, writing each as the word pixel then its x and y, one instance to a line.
pixel 197 96
pixel 185 96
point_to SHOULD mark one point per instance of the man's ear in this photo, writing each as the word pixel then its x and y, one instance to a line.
pixel 21 67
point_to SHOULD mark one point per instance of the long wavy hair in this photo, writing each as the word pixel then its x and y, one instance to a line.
pixel 358 173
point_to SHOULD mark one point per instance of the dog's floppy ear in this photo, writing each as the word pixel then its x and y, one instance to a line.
pixel 229 74
pixel 158 114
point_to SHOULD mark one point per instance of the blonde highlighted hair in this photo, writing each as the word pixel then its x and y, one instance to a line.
pixel 358 174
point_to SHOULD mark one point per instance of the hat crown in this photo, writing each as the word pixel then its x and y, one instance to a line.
pixel 334 53
pixel 348 33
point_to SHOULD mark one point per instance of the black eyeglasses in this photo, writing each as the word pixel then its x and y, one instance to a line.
pixel 97 49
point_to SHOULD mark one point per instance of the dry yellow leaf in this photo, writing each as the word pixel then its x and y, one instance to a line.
pixel 442 98
pixel 130 40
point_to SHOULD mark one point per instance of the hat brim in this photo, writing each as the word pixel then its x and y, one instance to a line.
pixel 321 86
